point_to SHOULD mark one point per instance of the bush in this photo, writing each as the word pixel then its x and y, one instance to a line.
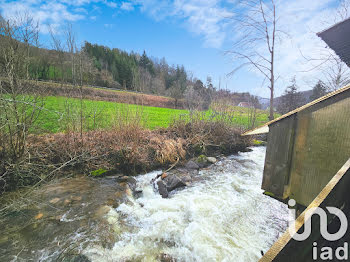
pixel 210 135
pixel 127 148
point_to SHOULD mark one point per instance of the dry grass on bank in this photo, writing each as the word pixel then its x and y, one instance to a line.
pixel 105 94
pixel 127 148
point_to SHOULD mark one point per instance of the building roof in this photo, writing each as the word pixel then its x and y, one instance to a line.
pixel 244 104
pixel 265 129
pixel 337 37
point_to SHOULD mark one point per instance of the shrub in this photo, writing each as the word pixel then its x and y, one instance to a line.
pixel 127 148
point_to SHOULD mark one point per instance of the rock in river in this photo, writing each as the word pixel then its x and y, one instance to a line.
pixel 162 189
pixel 211 160
pixel 173 182
pixel 192 165
pixel 170 183
pixel 130 181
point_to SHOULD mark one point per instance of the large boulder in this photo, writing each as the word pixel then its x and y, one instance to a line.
pixel 177 178
pixel 181 171
pixel 162 189
pixel 191 165
pixel 173 182
pixel 186 178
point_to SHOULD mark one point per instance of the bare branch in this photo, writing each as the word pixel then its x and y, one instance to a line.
pixel 257 24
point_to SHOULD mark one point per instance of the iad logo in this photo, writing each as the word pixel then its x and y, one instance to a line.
pixel 326 252
pixel 323 223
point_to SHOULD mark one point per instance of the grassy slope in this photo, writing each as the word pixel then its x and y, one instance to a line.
pixel 241 116
pixel 107 114
pixel 128 92
pixel 104 94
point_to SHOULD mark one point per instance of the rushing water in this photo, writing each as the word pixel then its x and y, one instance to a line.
pixel 223 217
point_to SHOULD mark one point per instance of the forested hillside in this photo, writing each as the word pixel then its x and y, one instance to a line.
pixel 137 72
pixel 107 67
pixel 99 65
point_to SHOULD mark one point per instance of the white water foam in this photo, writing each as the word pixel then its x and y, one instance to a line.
pixel 224 217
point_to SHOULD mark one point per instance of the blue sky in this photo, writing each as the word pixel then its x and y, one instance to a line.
pixel 195 33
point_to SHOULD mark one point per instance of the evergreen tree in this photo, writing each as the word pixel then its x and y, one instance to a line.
pixel 209 83
pixel 291 99
pixel 319 90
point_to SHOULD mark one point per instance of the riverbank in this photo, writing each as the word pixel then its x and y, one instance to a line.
pixel 219 215
pixel 128 149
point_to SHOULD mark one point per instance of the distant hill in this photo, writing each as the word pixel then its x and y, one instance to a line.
pixel 265 102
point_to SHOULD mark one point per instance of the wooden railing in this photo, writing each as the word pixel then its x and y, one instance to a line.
pixel 335 194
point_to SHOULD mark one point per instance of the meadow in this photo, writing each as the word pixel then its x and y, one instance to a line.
pixel 61 112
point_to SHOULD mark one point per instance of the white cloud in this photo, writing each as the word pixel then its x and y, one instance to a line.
pixel 158 10
pixel 108 26
pixel 80 10
pixel 77 2
pixel 127 6
pixel 47 13
pixel 111 4
pixel 52 12
pixel 205 18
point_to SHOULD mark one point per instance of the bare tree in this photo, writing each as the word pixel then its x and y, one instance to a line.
pixel 343 10
pixel 193 99
pixel 337 74
pixel 18 110
pixel 71 47
pixel 256 24
pixel 253 111
pixel 59 47
pixel 136 78
pixel 175 92
pixel 29 35
pixel 86 68
pixel 145 82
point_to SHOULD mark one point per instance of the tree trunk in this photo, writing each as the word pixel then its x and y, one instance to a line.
pixel 272 87
pixel 272 78
pixel 73 71
pixel 271 117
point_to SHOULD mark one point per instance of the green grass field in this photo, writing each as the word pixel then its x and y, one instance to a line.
pixel 60 111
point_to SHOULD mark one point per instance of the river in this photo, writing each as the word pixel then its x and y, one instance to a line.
pixel 222 217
